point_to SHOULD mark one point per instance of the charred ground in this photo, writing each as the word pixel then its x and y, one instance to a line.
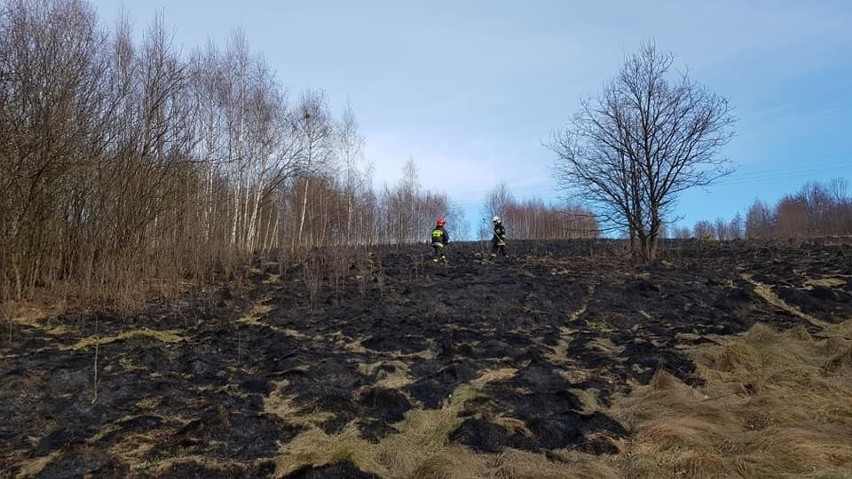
pixel 214 384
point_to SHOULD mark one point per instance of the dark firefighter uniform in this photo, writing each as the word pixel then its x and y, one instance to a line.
pixel 440 239
pixel 498 242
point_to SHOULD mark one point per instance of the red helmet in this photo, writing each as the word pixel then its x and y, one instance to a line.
pixel 441 222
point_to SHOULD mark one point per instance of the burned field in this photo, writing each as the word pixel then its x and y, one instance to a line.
pixel 388 349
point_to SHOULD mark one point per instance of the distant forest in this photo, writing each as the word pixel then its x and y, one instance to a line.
pixel 127 165
pixel 817 210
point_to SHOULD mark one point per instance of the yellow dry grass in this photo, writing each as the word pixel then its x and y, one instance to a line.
pixel 396 379
pixel 774 405
pixel 516 464
pixel 149 403
pixel 421 449
pixel 765 291
pixel 166 336
pixel 257 312
pixel 826 282
pixel 281 405
pixel 589 398
pixel 558 353
pixel 291 332
pixel 33 467
pixel 32 313
pixel 134 448
pixel 590 293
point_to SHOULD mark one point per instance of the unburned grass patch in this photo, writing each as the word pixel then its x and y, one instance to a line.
pixel 166 336
pixel 422 448
pixel 774 405
pixel 282 405
pixel 256 313
pixel 558 353
pixel 392 374
pixel 768 294
pixel 826 282
pixel 33 467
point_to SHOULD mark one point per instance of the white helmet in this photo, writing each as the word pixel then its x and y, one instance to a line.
pixel 496 219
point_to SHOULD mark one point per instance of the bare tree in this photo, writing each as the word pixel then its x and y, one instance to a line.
pixel 497 203
pixel 356 174
pixel 837 189
pixel 720 229
pixel 313 127
pixel 534 219
pixel 682 232
pixel 650 136
pixel 403 207
pixel 735 227
pixel 759 221
pixel 703 229
pixel 791 217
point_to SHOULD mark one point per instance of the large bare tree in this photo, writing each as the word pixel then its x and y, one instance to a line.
pixel 652 134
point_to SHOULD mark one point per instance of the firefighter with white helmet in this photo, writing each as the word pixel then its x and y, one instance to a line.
pixel 498 241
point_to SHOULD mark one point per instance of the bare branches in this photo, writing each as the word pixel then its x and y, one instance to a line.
pixel 534 219
pixel 123 160
pixel 816 210
pixel 630 152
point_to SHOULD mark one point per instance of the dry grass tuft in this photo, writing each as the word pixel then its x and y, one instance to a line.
pixel 256 313
pixel 516 464
pixel 765 291
pixel 33 467
pixel 421 449
pixel 840 363
pixel 453 462
pixel 558 354
pixel 827 282
pixel 281 405
pixel 316 447
pixel 774 405
pixel 396 379
pixel 166 336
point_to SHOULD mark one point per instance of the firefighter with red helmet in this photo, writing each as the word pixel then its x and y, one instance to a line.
pixel 440 239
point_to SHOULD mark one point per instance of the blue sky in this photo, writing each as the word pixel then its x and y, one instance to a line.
pixel 471 89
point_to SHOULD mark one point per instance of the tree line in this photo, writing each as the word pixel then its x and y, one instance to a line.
pixel 124 164
pixel 127 165
pixel 817 210
pixel 534 219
